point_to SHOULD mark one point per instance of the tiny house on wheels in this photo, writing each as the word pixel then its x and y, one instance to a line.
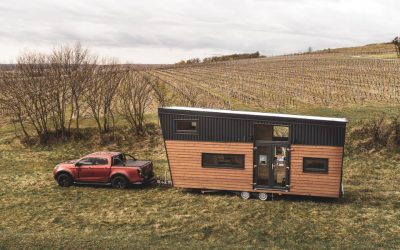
pixel 254 153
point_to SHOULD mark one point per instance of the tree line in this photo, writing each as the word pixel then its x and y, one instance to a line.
pixel 49 91
pixel 221 58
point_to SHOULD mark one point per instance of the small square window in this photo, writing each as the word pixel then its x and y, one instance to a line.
pixel 317 165
pixel 280 133
pixel 186 126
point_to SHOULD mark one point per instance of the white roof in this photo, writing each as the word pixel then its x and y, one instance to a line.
pixel 317 118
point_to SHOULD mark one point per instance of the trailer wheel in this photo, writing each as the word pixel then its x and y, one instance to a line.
pixel 245 195
pixel 263 196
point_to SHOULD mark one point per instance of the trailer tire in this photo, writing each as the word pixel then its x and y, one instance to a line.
pixel 263 196
pixel 245 195
pixel 119 182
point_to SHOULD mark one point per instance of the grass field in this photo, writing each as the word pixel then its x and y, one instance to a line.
pixel 36 213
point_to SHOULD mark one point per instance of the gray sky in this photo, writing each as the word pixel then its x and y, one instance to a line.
pixel 150 31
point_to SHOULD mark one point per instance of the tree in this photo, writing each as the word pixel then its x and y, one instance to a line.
pixel 34 91
pixel 396 42
pixel 10 99
pixel 159 87
pixel 73 67
pixel 100 93
pixel 135 99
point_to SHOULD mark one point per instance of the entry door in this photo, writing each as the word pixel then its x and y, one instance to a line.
pixel 271 166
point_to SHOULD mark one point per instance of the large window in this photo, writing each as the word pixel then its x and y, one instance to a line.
pixel 317 165
pixel 210 160
pixel 186 126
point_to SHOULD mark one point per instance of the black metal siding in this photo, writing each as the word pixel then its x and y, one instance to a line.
pixel 213 127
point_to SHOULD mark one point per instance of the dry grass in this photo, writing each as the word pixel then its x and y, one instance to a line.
pixel 36 213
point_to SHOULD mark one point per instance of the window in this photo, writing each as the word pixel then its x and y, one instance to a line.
pixel 99 161
pixel 281 133
pixel 118 160
pixel 318 165
pixel 209 160
pixel 86 162
pixel 186 126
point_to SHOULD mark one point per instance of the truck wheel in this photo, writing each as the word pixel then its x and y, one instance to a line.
pixel 245 195
pixel 119 182
pixel 64 180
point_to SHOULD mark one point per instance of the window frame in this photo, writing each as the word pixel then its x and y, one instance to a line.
pixel 314 170
pixel 241 167
pixel 180 131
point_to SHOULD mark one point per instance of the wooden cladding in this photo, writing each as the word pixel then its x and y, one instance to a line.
pixel 185 161
pixel 314 183
pixel 187 172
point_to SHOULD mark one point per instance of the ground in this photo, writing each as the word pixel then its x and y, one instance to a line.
pixel 36 213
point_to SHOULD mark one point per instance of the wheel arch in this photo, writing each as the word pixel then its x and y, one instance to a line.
pixel 64 172
pixel 116 174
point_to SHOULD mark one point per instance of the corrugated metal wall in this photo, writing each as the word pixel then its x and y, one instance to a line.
pixel 224 129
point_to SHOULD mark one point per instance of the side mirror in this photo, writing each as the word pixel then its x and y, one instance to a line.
pixel 77 164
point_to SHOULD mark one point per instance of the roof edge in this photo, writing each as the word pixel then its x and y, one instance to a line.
pixel 280 115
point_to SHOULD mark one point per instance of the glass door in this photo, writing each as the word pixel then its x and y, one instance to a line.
pixel 280 166
pixel 262 166
pixel 271 165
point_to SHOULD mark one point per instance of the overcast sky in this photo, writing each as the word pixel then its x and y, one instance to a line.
pixel 150 31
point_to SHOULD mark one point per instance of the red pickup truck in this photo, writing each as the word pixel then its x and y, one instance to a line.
pixel 115 168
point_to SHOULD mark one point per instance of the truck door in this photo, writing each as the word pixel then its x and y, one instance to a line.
pixel 84 168
pixel 100 169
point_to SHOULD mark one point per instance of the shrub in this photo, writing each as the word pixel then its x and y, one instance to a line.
pixel 376 134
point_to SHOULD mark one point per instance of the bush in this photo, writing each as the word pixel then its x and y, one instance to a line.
pixel 376 134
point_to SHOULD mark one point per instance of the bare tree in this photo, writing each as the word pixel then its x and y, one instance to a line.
pixel 396 42
pixel 135 98
pixel 33 90
pixel 73 67
pixel 159 87
pixel 101 90
pixel 10 99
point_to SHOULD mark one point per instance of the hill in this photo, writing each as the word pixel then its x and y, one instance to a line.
pixel 337 77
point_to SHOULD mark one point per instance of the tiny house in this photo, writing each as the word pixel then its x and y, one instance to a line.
pixel 254 153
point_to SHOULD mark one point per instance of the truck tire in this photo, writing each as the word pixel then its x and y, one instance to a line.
pixel 64 180
pixel 119 181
